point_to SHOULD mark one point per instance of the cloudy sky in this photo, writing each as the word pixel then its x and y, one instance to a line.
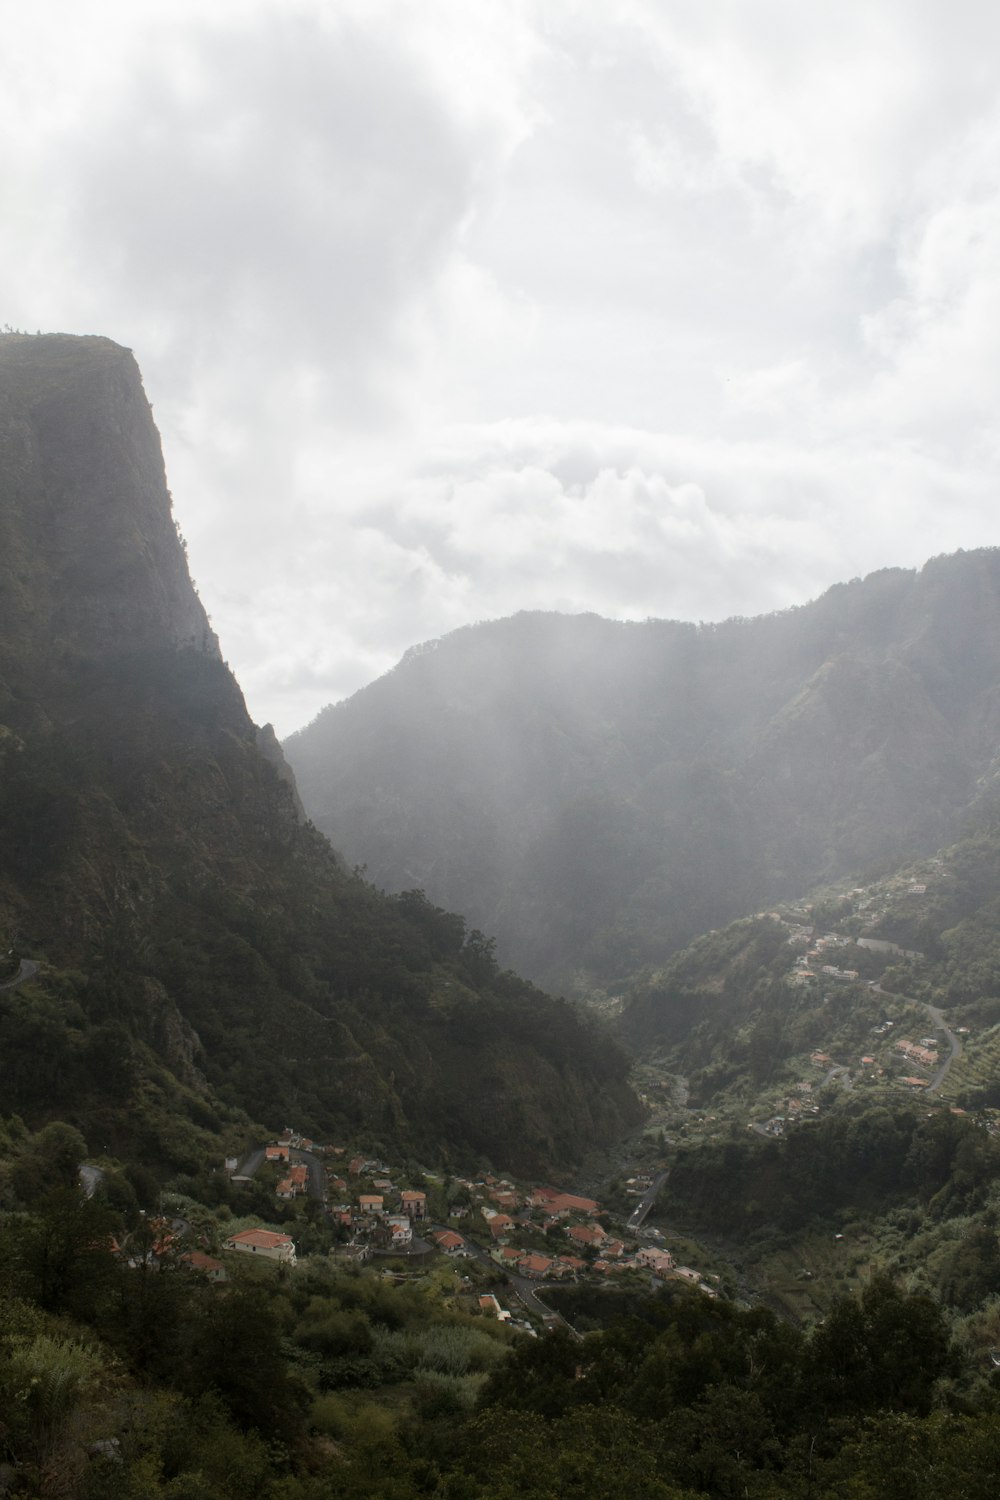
pixel 451 309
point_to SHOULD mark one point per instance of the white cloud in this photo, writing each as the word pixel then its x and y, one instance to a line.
pixel 449 310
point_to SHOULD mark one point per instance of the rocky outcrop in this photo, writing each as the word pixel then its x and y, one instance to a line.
pixel 195 928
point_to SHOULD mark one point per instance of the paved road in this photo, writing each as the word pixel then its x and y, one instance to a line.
pixel 27 971
pixel 89 1178
pixel 251 1166
pixel 639 1214
pixel 955 1048
pixel 525 1287
pixel 317 1180
pixel 937 1017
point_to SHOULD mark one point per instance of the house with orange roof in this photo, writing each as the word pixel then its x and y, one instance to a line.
pixel 370 1203
pixel 506 1255
pixel 562 1204
pixel 500 1225
pixel 264 1243
pixel 591 1235
pixel 395 1232
pixel 414 1203
pixel 206 1265
pixel 572 1262
pixel 277 1151
pixel 448 1241
pixel 504 1198
pixel 535 1266
pixel 488 1304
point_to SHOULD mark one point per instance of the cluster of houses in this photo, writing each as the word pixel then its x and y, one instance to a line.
pixel 384 1219
pixel 379 1216
pixel 510 1216
pixel 925 1053
pixel 807 965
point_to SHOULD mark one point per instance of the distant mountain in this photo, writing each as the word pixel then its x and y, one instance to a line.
pixel 203 950
pixel 596 793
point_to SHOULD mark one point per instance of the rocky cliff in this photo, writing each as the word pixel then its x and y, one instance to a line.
pixel 204 950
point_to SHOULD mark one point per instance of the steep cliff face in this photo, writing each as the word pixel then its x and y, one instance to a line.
pixel 596 793
pixel 89 560
pixel 152 851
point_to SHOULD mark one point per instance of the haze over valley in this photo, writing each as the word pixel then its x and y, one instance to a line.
pixel 500 982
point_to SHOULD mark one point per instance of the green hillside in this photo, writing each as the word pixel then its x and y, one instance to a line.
pixel 597 793
pixel 197 941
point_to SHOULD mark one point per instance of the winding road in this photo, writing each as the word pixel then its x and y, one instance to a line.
pixel 937 1017
pixel 27 970
pixel 638 1216
pixel 526 1289
pixel 954 1044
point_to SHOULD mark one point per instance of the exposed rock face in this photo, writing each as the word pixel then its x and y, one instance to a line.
pixel 89 554
pixel 152 851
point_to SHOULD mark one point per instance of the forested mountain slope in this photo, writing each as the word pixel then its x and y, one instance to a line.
pixel 596 793
pixel 203 949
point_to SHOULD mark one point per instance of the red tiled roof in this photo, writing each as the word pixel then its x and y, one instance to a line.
pixel 265 1239
pixel 537 1263
pixel 202 1262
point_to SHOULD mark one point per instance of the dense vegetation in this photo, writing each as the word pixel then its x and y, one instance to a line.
pixel 130 1375
pixel 206 956
pixel 207 960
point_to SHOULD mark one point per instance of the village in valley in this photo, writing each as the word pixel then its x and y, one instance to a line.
pixel 874 1040
pixel 499 1247
pixel 504 1242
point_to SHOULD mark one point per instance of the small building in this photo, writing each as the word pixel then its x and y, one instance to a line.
pixel 535 1266
pixel 506 1256
pixel 488 1304
pixel 591 1235
pixel 395 1232
pixel 413 1202
pixel 205 1265
pixel 448 1241
pixel 657 1260
pixel 355 1252
pixel 686 1273
pixel 561 1204
pixel 572 1263
pixel 263 1242
pixel 370 1203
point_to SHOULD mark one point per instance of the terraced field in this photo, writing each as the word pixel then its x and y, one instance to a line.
pixel 979 1065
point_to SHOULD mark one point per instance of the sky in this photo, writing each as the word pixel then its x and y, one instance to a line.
pixel 448 310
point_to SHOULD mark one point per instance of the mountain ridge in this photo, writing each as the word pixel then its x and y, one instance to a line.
pixel 609 789
pixel 193 926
